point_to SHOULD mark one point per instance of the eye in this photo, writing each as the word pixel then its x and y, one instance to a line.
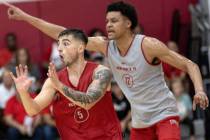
pixel 65 43
pixel 114 20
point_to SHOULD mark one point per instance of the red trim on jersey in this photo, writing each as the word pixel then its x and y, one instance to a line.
pixel 128 47
pixel 106 52
pixel 145 55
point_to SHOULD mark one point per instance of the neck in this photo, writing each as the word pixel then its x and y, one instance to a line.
pixel 123 43
pixel 77 67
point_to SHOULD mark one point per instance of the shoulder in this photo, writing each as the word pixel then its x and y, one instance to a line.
pixel 154 47
pixel 102 71
pixel 101 68
pixel 151 42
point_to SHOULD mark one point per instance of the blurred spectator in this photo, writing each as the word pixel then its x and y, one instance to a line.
pixel 170 71
pixel 23 57
pixel 51 54
pixel 19 124
pixel 49 127
pixel 184 105
pixel 7 89
pixel 11 42
pixel 96 56
pixel 121 106
pixel 8 51
pixel 55 57
pixel 96 32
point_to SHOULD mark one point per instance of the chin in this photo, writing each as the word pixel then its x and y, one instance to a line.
pixel 111 37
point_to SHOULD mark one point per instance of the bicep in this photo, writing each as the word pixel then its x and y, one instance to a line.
pixel 174 59
pixel 157 49
pixel 45 97
pixel 97 44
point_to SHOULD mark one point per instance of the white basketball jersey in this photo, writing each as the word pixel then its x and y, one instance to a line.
pixel 142 83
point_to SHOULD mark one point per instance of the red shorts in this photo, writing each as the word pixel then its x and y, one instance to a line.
pixel 167 129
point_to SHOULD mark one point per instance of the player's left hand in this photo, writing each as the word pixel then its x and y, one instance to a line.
pixel 201 99
pixel 52 74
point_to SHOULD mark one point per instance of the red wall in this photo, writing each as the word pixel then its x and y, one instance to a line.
pixel 155 16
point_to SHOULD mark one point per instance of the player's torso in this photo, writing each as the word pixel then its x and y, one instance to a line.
pixel 75 121
pixel 142 83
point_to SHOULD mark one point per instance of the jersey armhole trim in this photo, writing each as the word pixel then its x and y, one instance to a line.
pixel 145 55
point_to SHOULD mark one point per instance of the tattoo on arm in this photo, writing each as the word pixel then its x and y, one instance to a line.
pixel 101 80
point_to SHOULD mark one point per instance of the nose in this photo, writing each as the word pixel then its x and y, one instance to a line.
pixel 108 24
pixel 59 48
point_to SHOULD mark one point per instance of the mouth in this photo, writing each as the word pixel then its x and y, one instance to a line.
pixel 110 32
pixel 61 57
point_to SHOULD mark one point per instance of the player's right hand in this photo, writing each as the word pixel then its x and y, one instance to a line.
pixel 15 12
pixel 22 82
pixel 22 130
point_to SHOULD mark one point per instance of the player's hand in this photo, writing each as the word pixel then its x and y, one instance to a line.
pixel 15 12
pixel 22 129
pixel 22 82
pixel 123 126
pixel 52 74
pixel 201 99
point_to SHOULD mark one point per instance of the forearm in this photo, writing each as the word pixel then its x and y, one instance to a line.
pixel 195 75
pixel 128 117
pixel 31 107
pixel 10 122
pixel 49 29
pixel 82 99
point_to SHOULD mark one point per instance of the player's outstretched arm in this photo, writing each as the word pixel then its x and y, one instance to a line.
pixel 154 48
pixel 97 44
pixel 22 83
pixel 96 90
pixel 49 29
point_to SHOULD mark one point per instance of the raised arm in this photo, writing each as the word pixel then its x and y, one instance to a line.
pixel 49 29
pixel 97 44
pixel 42 100
pixel 153 48
pixel 96 90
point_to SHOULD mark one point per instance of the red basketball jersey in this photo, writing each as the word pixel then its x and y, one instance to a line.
pixel 76 123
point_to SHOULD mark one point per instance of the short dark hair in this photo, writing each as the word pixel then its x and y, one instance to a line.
pixel 76 33
pixel 126 10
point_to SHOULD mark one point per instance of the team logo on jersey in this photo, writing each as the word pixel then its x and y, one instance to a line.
pixel 81 115
pixel 128 79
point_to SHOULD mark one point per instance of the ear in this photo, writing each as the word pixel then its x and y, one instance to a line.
pixel 128 23
pixel 81 48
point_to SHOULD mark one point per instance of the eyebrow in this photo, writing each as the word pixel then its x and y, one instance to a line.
pixel 66 40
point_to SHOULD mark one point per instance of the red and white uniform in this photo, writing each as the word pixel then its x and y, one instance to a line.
pixel 143 84
pixel 75 123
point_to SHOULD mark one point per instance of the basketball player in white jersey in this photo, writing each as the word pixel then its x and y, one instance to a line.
pixel 135 61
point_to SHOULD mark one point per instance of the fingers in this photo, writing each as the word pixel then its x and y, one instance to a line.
pixel 7 4
pixel 12 75
pixel 10 12
pixel 50 70
pixel 194 105
pixel 21 70
pixel 17 71
pixel 202 100
pixel 25 70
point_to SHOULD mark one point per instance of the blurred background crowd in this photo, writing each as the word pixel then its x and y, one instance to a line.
pixel 184 26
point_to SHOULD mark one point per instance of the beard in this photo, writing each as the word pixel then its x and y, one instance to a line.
pixel 72 61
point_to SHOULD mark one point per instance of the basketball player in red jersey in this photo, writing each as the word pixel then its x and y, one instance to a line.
pixel 135 61
pixel 80 93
